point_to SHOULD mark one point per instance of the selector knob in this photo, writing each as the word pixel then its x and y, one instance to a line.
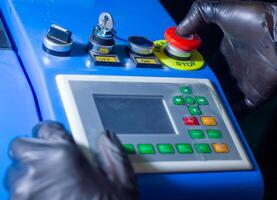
pixel 140 45
pixel 180 47
pixel 58 41
pixel 101 40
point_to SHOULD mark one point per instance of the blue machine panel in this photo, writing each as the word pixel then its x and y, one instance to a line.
pixel 18 112
pixel 29 21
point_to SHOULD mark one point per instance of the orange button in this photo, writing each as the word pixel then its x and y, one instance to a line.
pixel 220 148
pixel 208 121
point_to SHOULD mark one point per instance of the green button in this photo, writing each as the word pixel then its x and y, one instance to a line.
pixel 214 134
pixel 190 100
pixel 201 100
pixel 178 100
pixel 185 90
pixel 184 148
pixel 146 149
pixel 129 148
pixel 202 148
pixel 165 148
pixel 196 134
pixel 194 110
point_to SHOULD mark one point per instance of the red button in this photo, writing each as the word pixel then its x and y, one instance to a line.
pixel 191 121
pixel 186 44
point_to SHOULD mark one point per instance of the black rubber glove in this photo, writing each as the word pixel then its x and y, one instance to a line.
pixel 249 44
pixel 51 166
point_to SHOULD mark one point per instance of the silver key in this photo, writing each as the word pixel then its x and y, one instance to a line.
pixel 106 21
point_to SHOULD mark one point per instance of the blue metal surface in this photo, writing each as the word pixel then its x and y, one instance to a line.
pixel 28 22
pixel 17 109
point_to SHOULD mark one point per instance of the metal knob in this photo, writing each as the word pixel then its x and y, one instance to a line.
pixel 58 41
pixel 140 45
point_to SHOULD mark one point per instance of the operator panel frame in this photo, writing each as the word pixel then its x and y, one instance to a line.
pixel 79 133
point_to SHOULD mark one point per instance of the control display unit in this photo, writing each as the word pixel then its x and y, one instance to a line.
pixel 165 124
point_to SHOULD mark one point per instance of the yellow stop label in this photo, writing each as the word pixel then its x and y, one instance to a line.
pixel 195 62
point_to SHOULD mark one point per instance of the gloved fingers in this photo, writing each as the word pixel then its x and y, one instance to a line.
pixel 46 134
pixel 112 157
pixel 114 161
pixel 51 130
pixel 26 181
pixel 201 13
pixel 16 183
pixel 229 50
pixel 248 71
pixel 28 149
pixel 231 16
pixel 43 168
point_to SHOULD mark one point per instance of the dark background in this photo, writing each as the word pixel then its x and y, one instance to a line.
pixel 258 125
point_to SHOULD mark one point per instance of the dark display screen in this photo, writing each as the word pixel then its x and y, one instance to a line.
pixel 124 114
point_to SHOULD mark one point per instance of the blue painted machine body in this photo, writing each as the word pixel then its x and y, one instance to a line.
pixel 28 22
pixel 18 112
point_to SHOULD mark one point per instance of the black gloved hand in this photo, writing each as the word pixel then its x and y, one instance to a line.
pixel 249 44
pixel 51 166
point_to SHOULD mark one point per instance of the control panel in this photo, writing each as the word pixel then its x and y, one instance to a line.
pixel 165 124
pixel 121 66
pixel 138 51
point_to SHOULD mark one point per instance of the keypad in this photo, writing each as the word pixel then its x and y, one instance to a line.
pixel 178 100
pixel 191 121
pixel 196 134
pixel 207 131
pixel 203 148
pixel 208 121
pixel 185 90
pixel 201 100
pixel 180 148
pixel 165 148
pixel 214 134
pixel 189 100
pixel 184 148
pixel 220 148
pixel 146 149
pixel 129 148
pixel 201 129
pixel 194 110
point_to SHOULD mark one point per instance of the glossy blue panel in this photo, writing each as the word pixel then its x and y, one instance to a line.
pixel 28 22
pixel 17 109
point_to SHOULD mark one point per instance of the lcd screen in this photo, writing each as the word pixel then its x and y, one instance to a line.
pixel 126 114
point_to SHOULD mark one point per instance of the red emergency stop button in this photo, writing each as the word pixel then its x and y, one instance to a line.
pixel 189 43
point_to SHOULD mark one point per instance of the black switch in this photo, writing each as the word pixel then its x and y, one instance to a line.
pixel 58 41
pixel 59 34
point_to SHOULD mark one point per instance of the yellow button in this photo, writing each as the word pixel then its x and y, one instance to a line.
pixel 208 121
pixel 220 148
